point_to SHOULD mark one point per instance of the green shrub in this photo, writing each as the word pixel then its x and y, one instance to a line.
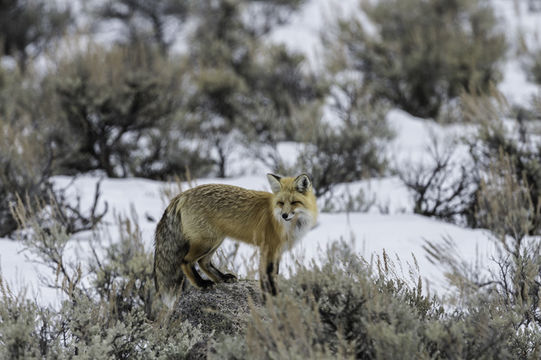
pixel 423 53
pixel 86 329
pixel 507 209
pixel 365 314
pixel 121 111
pixel 26 330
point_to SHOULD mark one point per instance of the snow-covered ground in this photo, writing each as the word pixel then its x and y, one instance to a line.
pixel 399 234
pixel 398 231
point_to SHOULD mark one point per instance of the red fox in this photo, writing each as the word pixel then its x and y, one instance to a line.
pixel 198 220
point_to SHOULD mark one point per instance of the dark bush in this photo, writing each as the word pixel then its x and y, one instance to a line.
pixel 29 153
pixel 27 28
pixel 534 66
pixel 445 188
pixel 505 207
pixel 450 190
pixel 145 22
pixel 349 149
pixel 423 53
pixel 245 91
pixel 518 145
pixel 121 110
pixel 24 171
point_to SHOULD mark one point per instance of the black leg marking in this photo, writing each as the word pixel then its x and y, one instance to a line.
pixel 268 283
pixel 229 278
pixel 202 283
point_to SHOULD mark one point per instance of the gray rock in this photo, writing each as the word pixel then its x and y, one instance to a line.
pixel 223 308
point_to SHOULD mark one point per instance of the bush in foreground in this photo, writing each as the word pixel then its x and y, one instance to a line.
pixel 345 309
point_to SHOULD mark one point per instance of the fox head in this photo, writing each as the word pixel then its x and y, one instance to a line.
pixel 294 199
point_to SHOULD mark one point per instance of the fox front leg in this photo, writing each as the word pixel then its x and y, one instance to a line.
pixel 267 274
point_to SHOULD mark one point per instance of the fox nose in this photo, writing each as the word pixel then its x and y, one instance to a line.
pixel 284 216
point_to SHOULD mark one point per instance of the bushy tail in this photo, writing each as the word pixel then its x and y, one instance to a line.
pixel 170 248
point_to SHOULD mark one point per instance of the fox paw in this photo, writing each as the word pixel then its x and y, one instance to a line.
pixel 229 278
pixel 205 284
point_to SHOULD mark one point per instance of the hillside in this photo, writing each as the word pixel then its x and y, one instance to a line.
pixel 393 268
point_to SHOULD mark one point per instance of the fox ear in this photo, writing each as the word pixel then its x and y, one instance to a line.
pixel 302 183
pixel 274 181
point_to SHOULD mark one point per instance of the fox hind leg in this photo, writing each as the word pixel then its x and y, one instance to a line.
pixel 202 250
pixel 213 272
pixel 227 277
pixel 194 277
pixel 206 265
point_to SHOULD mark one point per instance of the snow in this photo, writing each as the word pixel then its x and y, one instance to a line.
pixel 401 234
pixel 20 273
pixel 304 29
pixel 520 24
pixel 515 85
pixel 396 230
pixel 398 233
pixel 414 137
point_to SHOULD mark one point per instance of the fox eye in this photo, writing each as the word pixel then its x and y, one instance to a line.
pixel 281 203
pixel 296 203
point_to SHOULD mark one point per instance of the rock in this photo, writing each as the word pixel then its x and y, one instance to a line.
pixel 223 308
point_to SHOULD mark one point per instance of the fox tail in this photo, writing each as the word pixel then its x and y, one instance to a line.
pixel 170 247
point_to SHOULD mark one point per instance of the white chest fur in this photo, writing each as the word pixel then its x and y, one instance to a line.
pixel 298 227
